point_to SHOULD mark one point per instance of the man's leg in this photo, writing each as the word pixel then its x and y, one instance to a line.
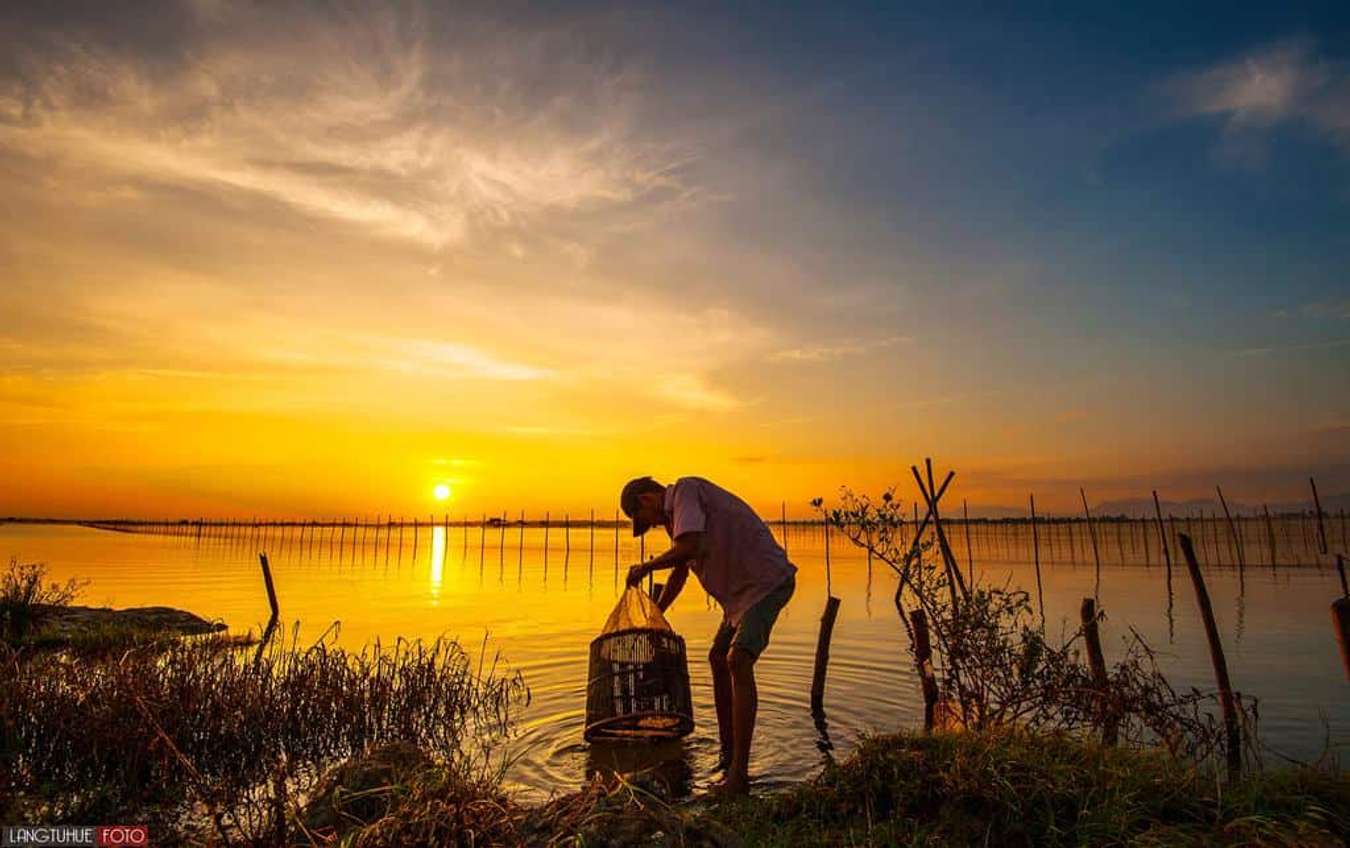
pixel 745 703
pixel 722 692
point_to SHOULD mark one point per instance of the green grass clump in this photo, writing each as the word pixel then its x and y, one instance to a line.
pixel 1012 788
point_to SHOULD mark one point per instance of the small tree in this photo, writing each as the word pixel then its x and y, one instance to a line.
pixel 995 666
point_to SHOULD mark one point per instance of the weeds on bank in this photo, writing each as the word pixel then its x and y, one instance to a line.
pixel 26 593
pixel 193 730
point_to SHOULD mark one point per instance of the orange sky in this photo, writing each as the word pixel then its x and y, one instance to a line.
pixel 316 266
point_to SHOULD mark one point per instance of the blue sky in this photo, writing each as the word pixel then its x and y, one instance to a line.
pixel 791 246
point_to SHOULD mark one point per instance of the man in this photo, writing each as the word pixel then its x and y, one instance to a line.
pixel 718 536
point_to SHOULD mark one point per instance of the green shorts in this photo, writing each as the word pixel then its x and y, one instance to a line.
pixel 752 634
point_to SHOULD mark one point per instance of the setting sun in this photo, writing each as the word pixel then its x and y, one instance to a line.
pixel 441 492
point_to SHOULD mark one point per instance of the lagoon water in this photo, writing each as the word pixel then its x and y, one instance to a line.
pixel 539 610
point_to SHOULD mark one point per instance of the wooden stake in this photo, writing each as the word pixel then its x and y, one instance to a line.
pixel 271 603
pixel 1106 713
pixel 923 661
pixel 1233 730
pixel 1340 618
pixel 823 655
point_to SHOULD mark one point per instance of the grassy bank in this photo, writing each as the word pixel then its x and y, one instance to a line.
pixel 947 789
pixel 214 750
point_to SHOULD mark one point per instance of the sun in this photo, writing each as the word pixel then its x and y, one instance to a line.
pixel 441 492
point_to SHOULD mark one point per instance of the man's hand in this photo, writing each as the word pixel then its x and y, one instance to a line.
pixel 636 574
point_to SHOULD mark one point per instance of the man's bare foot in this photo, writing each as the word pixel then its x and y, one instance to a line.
pixel 723 762
pixel 732 786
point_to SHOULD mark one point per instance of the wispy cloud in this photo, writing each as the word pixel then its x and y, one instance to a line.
pixel 355 121
pixel 695 392
pixel 829 352
pixel 1266 350
pixel 1287 81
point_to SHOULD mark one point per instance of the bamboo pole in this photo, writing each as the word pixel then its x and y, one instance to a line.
pixel 1232 530
pixel 1270 535
pixel 1321 529
pixel 931 496
pixel 1233 731
pixel 1106 716
pixel 970 556
pixel 1036 558
pixel 1092 533
pixel 826 523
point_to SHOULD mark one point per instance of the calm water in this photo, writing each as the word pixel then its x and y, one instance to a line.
pixel 541 609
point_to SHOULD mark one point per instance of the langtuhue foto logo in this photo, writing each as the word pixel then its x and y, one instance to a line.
pixel 59 836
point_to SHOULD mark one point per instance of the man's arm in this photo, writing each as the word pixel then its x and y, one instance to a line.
pixel 674 584
pixel 687 547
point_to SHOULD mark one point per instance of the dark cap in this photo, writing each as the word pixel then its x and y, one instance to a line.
pixel 628 500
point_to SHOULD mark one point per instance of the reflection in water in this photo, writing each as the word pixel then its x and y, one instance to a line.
pixel 437 563
pixel 667 763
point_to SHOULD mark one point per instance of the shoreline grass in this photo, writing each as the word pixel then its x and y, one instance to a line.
pixel 947 789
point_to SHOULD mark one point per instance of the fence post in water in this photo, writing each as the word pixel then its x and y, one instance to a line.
pixel 782 523
pixel 546 526
pixel 1270 534
pixel 1232 530
pixel 1096 557
pixel 1233 731
pixel 271 603
pixel 592 564
pixel 1106 712
pixel 1036 558
pixel 1162 539
pixel 826 524
pixel 823 655
pixel 970 556
pixel 923 661
pixel 1321 530
pixel 1340 617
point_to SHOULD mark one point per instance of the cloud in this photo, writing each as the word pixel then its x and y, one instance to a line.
pixel 353 118
pixel 1287 81
pixel 834 351
pixel 1266 350
pixel 694 392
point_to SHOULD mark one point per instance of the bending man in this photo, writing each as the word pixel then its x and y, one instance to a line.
pixel 718 536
